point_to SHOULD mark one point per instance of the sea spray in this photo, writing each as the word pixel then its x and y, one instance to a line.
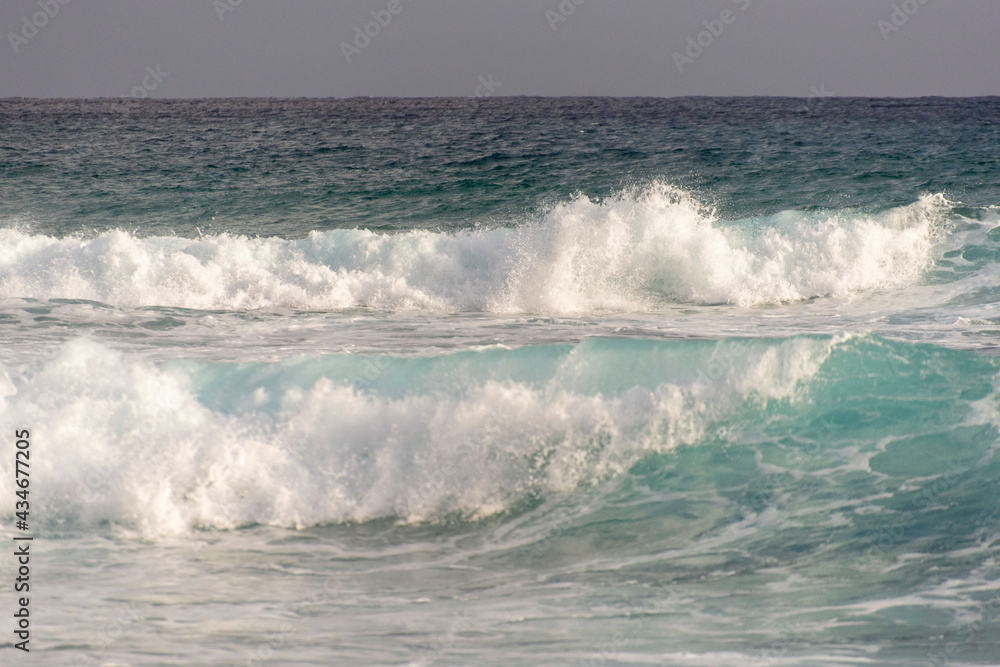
pixel 634 252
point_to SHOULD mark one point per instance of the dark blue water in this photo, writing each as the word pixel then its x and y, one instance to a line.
pixel 288 167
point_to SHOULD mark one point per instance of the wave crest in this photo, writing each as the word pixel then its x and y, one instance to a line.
pixel 140 447
pixel 633 252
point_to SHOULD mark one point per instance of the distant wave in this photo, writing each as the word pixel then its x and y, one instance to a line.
pixel 631 253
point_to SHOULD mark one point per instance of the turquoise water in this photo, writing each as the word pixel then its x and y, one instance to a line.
pixel 451 382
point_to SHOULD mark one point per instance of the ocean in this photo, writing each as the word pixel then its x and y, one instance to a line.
pixel 502 381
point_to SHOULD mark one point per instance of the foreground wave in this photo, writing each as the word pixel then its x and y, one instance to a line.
pixel 630 253
pixel 165 449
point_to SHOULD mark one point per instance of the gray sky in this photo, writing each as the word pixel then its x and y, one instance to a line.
pixel 291 48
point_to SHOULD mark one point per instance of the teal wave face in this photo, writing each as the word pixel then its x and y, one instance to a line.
pixel 859 421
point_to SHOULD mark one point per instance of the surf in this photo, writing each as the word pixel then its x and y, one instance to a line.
pixel 633 252
pixel 159 449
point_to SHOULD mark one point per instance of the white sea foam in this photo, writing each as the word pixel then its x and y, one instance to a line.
pixel 630 253
pixel 122 441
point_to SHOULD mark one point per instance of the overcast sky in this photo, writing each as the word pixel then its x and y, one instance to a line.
pixel 319 48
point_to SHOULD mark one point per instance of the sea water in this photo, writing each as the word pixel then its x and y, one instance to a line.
pixel 504 382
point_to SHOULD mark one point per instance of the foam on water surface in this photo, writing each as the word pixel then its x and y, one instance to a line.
pixel 633 252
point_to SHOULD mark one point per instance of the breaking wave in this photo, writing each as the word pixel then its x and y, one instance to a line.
pixel 630 253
